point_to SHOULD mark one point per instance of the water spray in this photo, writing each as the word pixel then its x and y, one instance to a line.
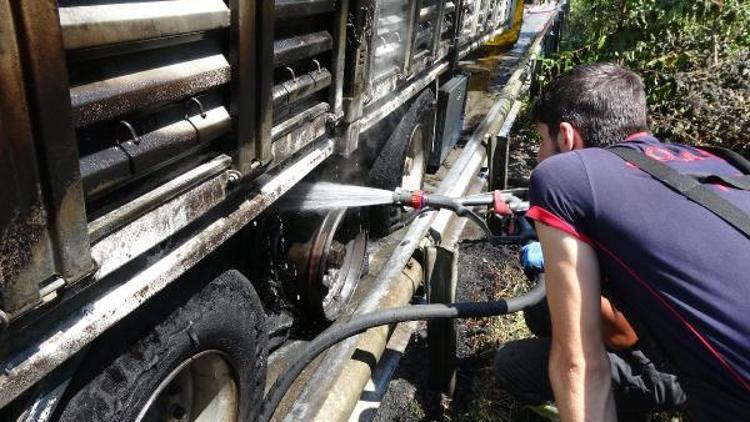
pixel 504 203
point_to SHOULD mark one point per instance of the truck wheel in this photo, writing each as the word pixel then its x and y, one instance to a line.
pixel 402 161
pixel 317 258
pixel 206 361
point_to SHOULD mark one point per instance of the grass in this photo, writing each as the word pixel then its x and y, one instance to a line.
pixel 486 401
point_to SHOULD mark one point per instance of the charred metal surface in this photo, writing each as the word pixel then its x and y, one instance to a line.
pixel 293 49
pixel 150 229
pixel 23 219
pixel 299 119
pixel 116 96
pixel 347 137
pixel 421 61
pixel 438 26
pixel 385 75
pixel 339 56
pixel 286 145
pixel 386 84
pixel 265 78
pixel 400 97
pixel 242 57
pixel 134 209
pixel 455 33
pixel 107 168
pixel 409 42
pixel 49 103
pixel 301 8
pixel 94 25
pixel 25 367
pixel 359 34
pixel 300 87
pixel 104 169
pixel 165 145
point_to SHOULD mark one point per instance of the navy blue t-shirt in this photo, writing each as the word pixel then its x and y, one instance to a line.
pixel 679 269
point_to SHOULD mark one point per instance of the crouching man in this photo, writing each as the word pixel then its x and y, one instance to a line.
pixel 677 266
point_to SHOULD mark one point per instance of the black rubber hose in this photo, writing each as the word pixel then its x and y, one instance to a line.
pixel 359 323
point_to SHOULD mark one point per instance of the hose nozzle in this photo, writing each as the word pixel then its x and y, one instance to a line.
pixel 501 202
pixel 414 199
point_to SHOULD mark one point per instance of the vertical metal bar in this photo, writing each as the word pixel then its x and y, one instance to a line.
pixel 264 70
pixel 411 33
pixel 242 57
pixel 49 103
pixel 358 57
pixel 457 24
pixel 339 53
pixel 499 162
pixel 251 57
pixel 437 27
pixel 25 248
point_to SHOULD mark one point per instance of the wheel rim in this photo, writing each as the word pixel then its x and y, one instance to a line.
pixel 200 389
pixel 318 258
pixel 335 261
pixel 414 163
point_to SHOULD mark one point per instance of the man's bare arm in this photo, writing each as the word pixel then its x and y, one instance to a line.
pixel 578 368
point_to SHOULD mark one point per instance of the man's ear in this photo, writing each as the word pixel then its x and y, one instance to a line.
pixel 569 138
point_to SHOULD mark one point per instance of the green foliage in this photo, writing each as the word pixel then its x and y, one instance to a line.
pixel 679 47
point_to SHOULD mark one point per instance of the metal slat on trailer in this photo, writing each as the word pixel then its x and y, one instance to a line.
pixel 96 25
pixel 301 47
pixel 286 9
pixel 105 99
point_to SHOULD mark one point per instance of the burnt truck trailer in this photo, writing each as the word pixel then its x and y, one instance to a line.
pixel 141 142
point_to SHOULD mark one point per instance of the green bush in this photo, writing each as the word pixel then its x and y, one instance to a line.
pixel 693 56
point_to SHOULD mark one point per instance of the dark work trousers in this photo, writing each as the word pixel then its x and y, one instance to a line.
pixel 639 385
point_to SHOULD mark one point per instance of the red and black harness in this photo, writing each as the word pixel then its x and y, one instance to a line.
pixel 692 185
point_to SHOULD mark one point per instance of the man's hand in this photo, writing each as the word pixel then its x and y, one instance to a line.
pixel 579 368
pixel 617 331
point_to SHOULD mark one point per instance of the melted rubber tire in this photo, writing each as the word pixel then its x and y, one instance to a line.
pixel 225 315
pixel 388 167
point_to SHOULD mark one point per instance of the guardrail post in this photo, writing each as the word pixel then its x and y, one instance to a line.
pixel 440 278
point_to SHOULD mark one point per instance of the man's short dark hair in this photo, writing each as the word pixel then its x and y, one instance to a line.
pixel 604 101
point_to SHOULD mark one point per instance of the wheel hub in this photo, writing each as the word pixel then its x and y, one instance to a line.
pixel 319 258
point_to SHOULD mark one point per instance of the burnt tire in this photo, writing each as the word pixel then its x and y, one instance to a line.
pixel 388 168
pixel 224 318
